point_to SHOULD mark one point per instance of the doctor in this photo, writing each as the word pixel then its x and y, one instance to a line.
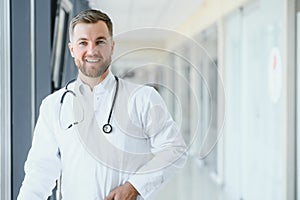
pixel 129 158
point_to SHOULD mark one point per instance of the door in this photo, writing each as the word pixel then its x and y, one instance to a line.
pixel 298 95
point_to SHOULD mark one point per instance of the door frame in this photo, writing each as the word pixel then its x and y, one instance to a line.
pixel 5 101
pixel 290 83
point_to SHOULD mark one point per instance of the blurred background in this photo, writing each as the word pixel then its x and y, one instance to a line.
pixel 226 69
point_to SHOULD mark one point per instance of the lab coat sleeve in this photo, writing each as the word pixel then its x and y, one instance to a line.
pixel 42 167
pixel 167 146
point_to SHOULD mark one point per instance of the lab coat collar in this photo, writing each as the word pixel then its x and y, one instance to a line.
pixel 106 85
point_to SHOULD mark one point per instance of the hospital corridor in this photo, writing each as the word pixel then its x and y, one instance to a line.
pixel 196 100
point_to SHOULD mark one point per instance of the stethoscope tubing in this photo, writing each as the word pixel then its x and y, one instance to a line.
pixel 107 128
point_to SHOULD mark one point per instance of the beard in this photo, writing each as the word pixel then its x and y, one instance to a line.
pixel 93 72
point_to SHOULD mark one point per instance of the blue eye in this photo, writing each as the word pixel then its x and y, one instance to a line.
pixel 101 42
pixel 82 43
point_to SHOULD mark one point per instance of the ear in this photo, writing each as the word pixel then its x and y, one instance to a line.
pixel 112 47
pixel 71 49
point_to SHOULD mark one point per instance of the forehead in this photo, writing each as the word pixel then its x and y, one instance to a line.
pixel 87 30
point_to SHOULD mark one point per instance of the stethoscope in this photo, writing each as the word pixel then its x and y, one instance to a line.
pixel 107 128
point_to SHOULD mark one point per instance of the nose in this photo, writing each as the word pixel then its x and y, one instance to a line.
pixel 92 49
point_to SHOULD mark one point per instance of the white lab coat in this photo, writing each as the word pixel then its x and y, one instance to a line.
pixel 144 147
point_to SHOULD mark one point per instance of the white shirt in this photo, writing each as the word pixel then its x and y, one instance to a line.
pixel 144 147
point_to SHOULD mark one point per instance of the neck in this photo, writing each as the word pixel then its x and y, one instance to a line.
pixel 92 81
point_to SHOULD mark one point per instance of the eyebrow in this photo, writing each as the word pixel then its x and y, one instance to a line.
pixel 102 37
pixel 98 38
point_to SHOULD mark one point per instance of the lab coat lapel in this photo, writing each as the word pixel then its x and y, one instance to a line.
pixel 102 146
pixel 89 132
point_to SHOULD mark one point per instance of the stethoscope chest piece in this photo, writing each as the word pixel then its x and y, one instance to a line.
pixel 107 128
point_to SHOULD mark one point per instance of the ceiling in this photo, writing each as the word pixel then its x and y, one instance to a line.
pixel 135 14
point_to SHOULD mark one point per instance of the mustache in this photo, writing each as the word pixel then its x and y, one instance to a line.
pixel 93 56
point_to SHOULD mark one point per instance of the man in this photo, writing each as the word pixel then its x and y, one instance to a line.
pixel 129 160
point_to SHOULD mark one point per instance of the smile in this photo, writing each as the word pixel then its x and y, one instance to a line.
pixel 92 60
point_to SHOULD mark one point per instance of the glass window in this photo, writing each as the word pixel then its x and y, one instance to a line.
pixel 59 48
pixel 255 121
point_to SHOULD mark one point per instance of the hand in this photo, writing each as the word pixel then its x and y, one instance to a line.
pixel 123 192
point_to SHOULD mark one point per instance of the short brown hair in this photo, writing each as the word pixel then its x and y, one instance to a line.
pixel 90 16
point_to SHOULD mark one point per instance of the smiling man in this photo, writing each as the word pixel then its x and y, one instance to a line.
pixel 125 157
pixel 91 47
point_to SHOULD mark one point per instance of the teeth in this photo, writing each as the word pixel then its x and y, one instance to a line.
pixel 92 61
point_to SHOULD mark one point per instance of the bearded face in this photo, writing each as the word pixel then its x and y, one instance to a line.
pixel 92 48
pixel 93 66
